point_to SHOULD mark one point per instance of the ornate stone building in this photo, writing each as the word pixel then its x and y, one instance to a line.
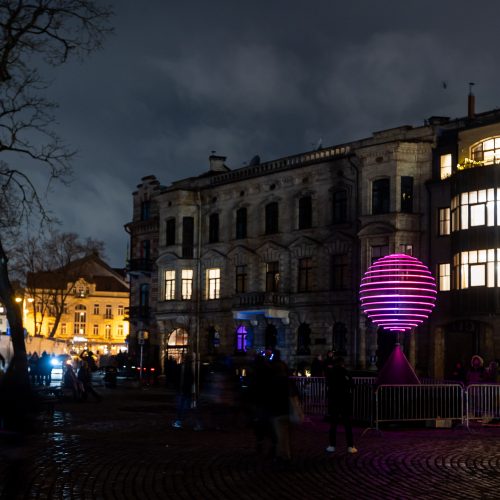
pixel 272 254
pixel 92 299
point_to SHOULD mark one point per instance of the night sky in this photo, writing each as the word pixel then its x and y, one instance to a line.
pixel 179 80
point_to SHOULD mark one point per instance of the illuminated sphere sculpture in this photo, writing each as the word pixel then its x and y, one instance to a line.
pixel 398 292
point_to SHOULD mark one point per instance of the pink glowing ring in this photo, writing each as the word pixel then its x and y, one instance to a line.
pixel 398 292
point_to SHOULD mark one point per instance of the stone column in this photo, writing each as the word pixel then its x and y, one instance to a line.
pixel 412 354
pixel 361 361
pixel 437 349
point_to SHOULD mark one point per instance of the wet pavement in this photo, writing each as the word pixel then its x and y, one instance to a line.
pixel 125 448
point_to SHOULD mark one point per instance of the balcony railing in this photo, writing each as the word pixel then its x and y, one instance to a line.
pixel 140 312
pixel 258 299
pixel 140 265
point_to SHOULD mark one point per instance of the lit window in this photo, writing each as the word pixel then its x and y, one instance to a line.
pixel 213 283
pixel 121 310
pixel 241 339
pixel 107 331
pixel 120 331
pixel 95 330
pixel 477 275
pixel 477 215
pixel 444 221
pixel 96 309
pixel 109 312
pixel 445 166
pixel 169 285
pixel 187 284
pixel 406 249
pixel 444 277
pixel 487 151
pixel 63 328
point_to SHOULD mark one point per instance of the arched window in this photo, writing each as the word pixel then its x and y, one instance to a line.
pixel 487 151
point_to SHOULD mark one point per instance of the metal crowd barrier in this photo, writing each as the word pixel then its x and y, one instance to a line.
pixel 406 403
pixel 433 401
pixel 482 402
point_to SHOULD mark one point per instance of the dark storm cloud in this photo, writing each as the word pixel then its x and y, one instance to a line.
pixel 272 78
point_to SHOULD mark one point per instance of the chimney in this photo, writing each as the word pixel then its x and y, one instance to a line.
pixel 471 103
pixel 217 163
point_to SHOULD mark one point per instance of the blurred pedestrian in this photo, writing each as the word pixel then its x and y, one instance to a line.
pixel 317 366
pixel 185 390
pixel 280 408
pixel 459 373
pixel 85 377
pixel 340 389
pixel 34 374
pixel 475 374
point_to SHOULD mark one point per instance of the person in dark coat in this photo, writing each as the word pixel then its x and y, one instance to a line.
pixel 340 400
pixel 85 377
pixel 185 387
pixel 280 407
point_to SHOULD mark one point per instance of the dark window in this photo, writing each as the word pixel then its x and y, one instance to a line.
pixel 272 218
pixel 187 237
pixel 305 274
pixel 379 251
pixel 145 249
pixel 271 336
pixel 407 194
pixel 145 210
pixel 272 276
pixel 305 212
pixel 241 223
pixel 340 272
pixel 213 228
pixel 241 279
pixel 380 196
pixel 340 206
pixel 144 295
pixel 170 232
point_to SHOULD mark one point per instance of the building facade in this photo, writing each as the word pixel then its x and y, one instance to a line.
pixel 272 254
pixel 92 299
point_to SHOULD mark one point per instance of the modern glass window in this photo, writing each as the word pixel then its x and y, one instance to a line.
pixel 444 221
pixel 475 208
pixel 272 218
pixel 444 271
pixel 213 283
pixel 487 151
pixel 477 268
pixel 305 274
pixel 187 237
pixel 187 284
pixel 407 194
pixel 381 196
pixel 169 284
pixel 241 223
pixel 170 232
pixel 340 206
pixel 340 270
pixel 445 165
pixel 241 278
pixel 213 228
pixel 272 276
pixel 96 309
pixel 305 212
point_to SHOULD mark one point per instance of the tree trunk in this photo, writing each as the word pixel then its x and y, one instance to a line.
pixel 14 316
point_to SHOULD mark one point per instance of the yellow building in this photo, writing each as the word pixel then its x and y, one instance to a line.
pixel 85 304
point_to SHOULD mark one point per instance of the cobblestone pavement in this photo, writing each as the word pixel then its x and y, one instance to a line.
pixel 125 448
